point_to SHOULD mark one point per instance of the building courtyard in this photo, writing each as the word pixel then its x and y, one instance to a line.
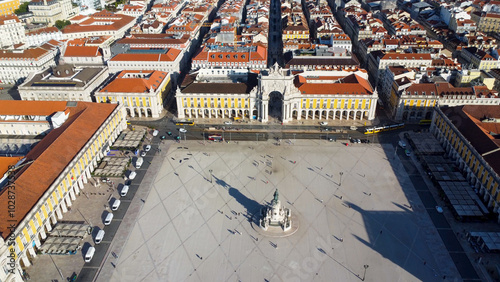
pixel 356 214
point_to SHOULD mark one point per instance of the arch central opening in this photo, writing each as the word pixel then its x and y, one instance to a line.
pixel 275 105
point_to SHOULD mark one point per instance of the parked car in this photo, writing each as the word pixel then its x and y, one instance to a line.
pixel 132 175
pixel 124 190
pixel 89 254
pixel 407 152
pixel 108 219
pixel 143 153
pixel 115 205
pixel 323 123
pixel 155 132
pixel 182 130
pixel 163 137
pixel 169 133
pixel 439 209
pixel 402 144
pixel 99 236
pixel 147 148
pixel 228 122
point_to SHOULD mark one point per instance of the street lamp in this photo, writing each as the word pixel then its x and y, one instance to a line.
pixel 340 182
pixel 257 135
pixel 58 269
pixel 294 137
pixel 364 273
pixel 210 171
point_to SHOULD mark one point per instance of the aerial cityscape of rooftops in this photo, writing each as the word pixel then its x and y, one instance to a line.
pixel 249 140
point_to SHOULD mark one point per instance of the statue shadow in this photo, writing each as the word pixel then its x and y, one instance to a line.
pixel 251 206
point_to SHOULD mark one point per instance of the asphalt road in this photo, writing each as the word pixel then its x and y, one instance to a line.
pixel 263 132
pixel 90 269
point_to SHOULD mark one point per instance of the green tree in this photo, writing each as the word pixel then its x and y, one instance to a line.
pixel 61 24
pixel 23 8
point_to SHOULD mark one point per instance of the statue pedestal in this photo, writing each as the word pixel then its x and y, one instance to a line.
pixel 276 231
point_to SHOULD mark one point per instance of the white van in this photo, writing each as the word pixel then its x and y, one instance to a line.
pixel 132 175
pixel 155 132
pixel 124 191
pixel 116 204
pixel 402 144
pixel 99 236
pixel 108 219
pixel 90 254
pixel 138 162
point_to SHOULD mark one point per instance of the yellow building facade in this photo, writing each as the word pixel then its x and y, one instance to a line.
pixel 8 7
pixel 469 155
pixel 33 228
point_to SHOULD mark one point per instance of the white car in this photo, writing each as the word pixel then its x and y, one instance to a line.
pixel 323 123
pixel 182 130
pixel 439 209
pixel 143 153
pixel 147 148
pixel 155 133
pixel 228 123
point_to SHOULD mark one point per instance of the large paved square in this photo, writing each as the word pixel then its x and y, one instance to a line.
pixel 352 204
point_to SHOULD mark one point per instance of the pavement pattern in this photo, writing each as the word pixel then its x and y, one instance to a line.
pixel 360 217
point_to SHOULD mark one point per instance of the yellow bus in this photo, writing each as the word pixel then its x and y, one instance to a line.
pixel 184 122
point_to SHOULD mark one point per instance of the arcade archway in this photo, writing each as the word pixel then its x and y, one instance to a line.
pixel 275 105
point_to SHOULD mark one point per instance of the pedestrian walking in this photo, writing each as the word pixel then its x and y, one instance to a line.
pixel 341 197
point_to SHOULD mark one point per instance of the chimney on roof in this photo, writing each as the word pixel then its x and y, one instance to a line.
pixel 59 118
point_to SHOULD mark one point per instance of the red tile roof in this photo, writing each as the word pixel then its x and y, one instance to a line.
pixel 170 56
pixel 100 21
pixel 51 155
pixel 351 85
pixel 82 51
pixel 5 18
pixel 125 84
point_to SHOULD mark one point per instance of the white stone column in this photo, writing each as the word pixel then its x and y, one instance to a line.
pixel 42 233
pixel 84 177
pixel 67 200
pixel 80 183
pixel 77 190
pixel 58 213
pixel 265 113
pixel 32 252
pixel 48 226
pixel 63 206
pixel 53 218
pixel 72 195
pixel 25 260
